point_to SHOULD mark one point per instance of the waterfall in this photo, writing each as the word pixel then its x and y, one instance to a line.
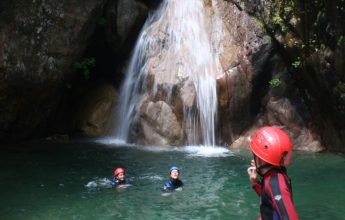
pixel 178 46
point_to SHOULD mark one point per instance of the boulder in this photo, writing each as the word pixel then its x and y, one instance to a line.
pixel 95 116
pixel 160 125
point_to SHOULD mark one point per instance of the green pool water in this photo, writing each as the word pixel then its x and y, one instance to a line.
pixel 70 181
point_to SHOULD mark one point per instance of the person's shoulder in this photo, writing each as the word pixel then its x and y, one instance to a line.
pixel 168 186
pixel 168 183
pixel 115 183
pixel 275 179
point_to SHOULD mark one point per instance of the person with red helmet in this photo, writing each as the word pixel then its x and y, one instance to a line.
pixel 272 150
pixel 119 177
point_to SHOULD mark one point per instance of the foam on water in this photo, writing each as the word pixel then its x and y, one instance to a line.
pixel 195 150
pixel 99 183
pixel 115 142
pixel 208 151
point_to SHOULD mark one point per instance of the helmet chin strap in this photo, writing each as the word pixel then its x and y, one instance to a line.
pixel 260 168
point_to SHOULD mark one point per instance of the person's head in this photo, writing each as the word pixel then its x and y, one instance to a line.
pixel 174 172
pixel 119 173
pixel 272 146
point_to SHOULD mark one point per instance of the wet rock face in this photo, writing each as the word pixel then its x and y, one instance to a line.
pixel 320 72
pixel 241 40
pixel 125 19
pixel 94 116
pixel 42 37
pixel 39 43
pixel 274 99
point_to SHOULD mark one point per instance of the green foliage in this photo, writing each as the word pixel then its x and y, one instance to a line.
pixel 313 44
pixel 85 66
pixel 275 82
pixel 297 63
pixel 279 21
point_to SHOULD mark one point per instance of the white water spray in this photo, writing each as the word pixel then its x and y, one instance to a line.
pixel 176 47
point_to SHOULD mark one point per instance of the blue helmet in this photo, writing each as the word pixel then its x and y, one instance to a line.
pixel 174 168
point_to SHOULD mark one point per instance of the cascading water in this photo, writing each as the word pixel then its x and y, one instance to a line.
pixel 176 48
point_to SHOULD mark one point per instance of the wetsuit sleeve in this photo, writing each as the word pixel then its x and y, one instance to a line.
pixel 168 186
pixel 114 183
pixel 257 188
pixel 281 197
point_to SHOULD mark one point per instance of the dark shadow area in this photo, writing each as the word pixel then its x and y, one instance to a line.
pixel 262 76
pixel 108 64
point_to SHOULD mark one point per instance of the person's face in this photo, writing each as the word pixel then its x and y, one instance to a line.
pixel 174 174
pixel 121 176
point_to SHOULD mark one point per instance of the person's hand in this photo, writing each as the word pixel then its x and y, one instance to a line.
pixel 253 175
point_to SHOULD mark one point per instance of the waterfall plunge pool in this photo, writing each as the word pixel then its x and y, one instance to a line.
pixel 70 180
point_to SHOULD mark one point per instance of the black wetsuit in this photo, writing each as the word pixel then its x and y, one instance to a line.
pixel 172 184
pixel 117 182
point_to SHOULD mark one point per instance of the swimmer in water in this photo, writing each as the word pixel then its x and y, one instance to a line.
pixel 174 182
pixel 119 177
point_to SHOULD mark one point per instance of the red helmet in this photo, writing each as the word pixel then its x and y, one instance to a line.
pixel 119 170
pixel 272 145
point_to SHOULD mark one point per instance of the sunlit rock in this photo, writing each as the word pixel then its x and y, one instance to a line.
pixel 160 125
pixel 188 94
